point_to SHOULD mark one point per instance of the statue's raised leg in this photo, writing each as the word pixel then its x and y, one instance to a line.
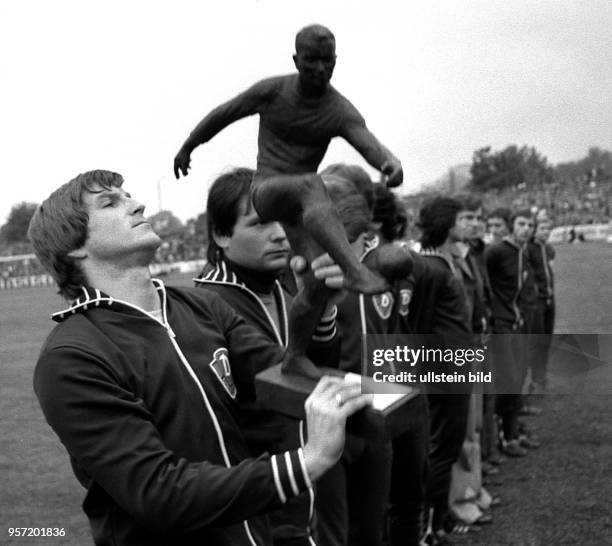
pixel 302 201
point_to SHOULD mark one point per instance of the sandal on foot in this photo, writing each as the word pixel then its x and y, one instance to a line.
pixel 485 519
pixel 456 526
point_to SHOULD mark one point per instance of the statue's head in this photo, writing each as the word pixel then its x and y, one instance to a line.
pixel 315 57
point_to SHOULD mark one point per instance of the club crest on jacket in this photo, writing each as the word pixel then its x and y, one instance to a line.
pixel 383 303
pixel 221 366
pixel 405 297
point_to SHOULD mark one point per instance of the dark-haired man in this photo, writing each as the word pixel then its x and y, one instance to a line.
pixel 247 259
pixel 448 407
pixel 141 382
pixel 508 268
pixel 299 115
pixel 467 471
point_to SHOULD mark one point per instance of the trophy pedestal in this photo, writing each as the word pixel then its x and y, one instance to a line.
pixel 391 414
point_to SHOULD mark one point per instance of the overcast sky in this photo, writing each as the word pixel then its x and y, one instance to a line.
pixel 119 84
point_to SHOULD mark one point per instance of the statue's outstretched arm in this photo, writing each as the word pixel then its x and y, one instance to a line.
pixel 375 153
pixel 246 104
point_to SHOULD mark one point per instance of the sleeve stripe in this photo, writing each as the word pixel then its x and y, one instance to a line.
pixel 294 486
pixel 277 481
pixel 325 327
pixel 326 323
pixel 322 338
pixel 283 471
pixel 290 474
pixel 331 316
pixel 304 470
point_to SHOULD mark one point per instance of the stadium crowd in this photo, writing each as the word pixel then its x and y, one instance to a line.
pixel 579 201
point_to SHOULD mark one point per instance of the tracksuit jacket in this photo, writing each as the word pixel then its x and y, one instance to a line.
pixel 372 315
pixel 437 299
pixel 147 411
pixel 438 313
pixel 474 286
pixel 476 260
pixel 267 430
pixel 542 255
pixel 353 495
pixel 508 270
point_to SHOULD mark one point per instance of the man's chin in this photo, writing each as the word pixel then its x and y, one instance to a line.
pixel 276 266
pixel 318 86
pixel 151 247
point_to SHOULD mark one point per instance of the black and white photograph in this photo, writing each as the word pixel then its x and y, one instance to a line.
pixel 306 274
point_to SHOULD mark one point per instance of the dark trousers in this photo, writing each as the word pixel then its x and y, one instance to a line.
pixel 488 436
pixel 409 475
pixel 544 324
pixel 448 414
pixel 351 499
pixel 509 349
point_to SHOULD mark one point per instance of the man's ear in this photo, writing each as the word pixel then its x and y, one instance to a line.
pixel 358 245
pixel 78 253
pixel 222 241
pixel 295 60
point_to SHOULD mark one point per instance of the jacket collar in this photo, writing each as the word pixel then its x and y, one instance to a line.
pixel 512 242
pixel 435 252
pixel 227 271
pixel 221 273
pixel 93 297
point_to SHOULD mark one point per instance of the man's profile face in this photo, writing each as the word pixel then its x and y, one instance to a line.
pixel 467 224
pixel 117 227
pixel 258 246
pixel 522 229
pixel 497 227
pixel 315 60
